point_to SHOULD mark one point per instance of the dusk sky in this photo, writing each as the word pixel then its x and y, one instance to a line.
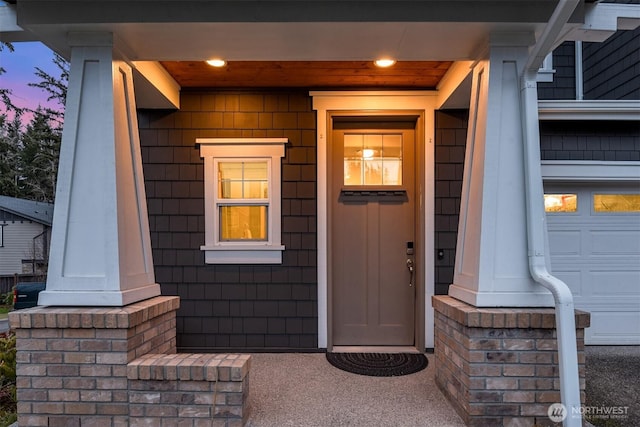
pixel 20 70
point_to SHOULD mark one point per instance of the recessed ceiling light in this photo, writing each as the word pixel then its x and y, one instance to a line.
pixel 217 62
pixel 384 62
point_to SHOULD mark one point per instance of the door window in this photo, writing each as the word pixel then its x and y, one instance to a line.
pixel 372 159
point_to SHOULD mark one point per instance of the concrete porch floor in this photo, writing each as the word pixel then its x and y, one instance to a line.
pixel 304 390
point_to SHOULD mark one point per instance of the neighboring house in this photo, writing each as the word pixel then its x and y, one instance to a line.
pixel 590 149
pixel 25 233
pixel 286 195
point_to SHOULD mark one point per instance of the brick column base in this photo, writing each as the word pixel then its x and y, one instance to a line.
pixel 499 366
pixel 72 362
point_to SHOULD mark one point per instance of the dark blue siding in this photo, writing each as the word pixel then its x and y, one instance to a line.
pixel 563 85
pixel 612 68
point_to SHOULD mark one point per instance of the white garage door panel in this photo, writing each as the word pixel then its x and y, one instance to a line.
pixel 615 283
pixel 598 256
pixel 615 242
pixel 615 327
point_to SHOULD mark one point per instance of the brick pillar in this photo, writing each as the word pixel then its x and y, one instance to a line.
pixel 499 366
pixel 72 362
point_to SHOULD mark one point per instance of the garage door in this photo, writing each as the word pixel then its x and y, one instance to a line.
pixel 594 239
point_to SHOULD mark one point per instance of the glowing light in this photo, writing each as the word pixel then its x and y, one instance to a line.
pixel 384 62
pixel 217 62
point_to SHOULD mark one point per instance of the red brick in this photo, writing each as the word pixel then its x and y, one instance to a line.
pixel 79 408
pixel 519 396
pixel 501 383
pixel 518 370
pixel 47 408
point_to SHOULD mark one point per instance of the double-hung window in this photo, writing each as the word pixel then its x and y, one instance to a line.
pixel 242 200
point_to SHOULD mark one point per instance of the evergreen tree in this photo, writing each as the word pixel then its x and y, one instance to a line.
pixel 39 158
pixel 55 86
pixel 10 136
pixel 29 155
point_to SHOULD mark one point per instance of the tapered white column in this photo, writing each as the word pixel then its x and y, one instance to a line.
pixel 100 243
pixel 491 268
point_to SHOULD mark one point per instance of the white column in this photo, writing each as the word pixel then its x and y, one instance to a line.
pixel 100 243
pixel 491 268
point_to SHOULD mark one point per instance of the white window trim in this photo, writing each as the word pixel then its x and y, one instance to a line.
pixel 546 71
pixel 213 150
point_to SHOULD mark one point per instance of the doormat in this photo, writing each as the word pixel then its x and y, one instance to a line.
pixel 379 364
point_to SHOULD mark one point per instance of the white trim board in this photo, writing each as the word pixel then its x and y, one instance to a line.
pixel 559 170
pixel 588 110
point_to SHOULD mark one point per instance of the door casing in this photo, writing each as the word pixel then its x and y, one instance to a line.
pixel 423 103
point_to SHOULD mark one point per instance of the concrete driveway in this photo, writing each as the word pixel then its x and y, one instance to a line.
pixel 613 386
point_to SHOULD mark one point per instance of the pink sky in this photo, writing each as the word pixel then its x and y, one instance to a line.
pixel 20 70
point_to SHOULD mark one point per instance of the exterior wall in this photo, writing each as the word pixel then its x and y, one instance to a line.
pixel 17 243
pixel 612 68
pixel 275 307
pixel 563 85
pixel 231 306
pixel 590 140
pixel 451 134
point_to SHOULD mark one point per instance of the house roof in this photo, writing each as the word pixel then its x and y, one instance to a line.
pixel 35 211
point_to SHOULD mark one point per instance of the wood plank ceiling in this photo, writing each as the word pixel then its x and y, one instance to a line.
pixel 308 74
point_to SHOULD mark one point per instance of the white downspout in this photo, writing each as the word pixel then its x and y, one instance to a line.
pixel 536 225
pixel 579 71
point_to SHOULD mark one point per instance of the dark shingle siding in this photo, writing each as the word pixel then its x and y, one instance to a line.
pixel 563 85
pixel 233 306
pixel 590 140
pixel 612 68
pixel 451 131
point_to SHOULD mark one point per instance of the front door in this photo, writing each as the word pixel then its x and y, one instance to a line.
pixel 373 234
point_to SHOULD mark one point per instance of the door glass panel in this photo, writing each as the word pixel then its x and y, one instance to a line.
pixel 243 180
pixel 560 202
pixel 243 223
pixel 616 202
pixel 372 159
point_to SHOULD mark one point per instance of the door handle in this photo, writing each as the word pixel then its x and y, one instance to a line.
pixel 410 268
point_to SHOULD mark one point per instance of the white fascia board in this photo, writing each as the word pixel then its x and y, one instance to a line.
pixel 589 110
pixel 10 31
pixel 155 88
pixel 568 170
pixel 602 20
pixel 454 89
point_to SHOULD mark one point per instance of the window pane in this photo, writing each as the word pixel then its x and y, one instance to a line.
pixel 561 202
pixel 352 172
pixel 616 202
pixel 243 180
pixel 243 223
pixel 373 159
pixel 255 171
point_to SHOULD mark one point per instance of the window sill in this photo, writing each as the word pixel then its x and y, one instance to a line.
pixel 245 254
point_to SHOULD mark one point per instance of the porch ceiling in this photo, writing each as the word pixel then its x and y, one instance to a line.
pixel 308 74
pixel 277 43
